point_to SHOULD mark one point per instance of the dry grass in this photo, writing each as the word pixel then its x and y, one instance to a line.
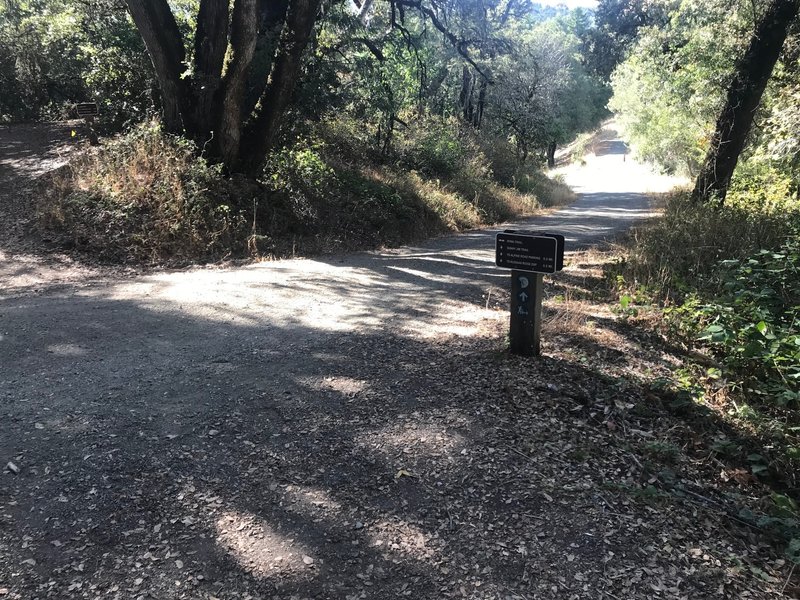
pixel 143 197
pixel 147 197
pixel 692 238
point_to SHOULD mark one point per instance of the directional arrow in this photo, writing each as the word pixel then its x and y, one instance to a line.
pixel 521 310
pixel 523 297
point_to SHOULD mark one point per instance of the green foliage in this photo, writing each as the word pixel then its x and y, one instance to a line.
pixel 753 324
pixel 433 146
pixel 669 90
pixel 56 53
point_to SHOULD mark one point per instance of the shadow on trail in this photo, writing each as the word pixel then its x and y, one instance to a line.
pixel 394 464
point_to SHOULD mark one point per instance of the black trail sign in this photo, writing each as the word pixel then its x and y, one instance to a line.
pixel 529 255
pixel 532 252
pixel 87 109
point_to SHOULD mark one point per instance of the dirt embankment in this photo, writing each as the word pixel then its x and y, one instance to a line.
pixel 27 259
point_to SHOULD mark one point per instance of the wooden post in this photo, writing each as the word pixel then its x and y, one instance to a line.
pixel 526 312
pixel 93 140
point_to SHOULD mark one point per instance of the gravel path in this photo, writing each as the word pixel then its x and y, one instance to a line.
pixel 344 427
pixel 27 152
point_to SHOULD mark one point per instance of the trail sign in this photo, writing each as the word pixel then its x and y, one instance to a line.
pixel 527 251
pixel 87 109
pixel 529 255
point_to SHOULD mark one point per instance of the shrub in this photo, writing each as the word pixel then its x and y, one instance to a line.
pixel 145 196
pixel 686 244
pixel 432 146
pixel 753 324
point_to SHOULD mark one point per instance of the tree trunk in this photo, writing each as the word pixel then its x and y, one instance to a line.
pixel 551 154
pixel 157 26
pixel 263 129
pixel 244 32
pixel 465 96
pixel 477 119
pixel 744 95
pixel 210 45
pixel 272 14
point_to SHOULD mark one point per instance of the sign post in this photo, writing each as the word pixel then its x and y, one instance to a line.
pixel 529 255
pixel 88 111
pixel 526 311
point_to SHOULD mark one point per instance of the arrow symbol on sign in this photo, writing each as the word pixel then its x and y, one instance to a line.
pixel 521 310
pixel 523 297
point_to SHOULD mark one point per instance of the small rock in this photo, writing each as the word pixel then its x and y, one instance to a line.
pixel 358 525
pixel 12 467
pixel 179 564
pixel 213 432
pixel 29 561
pixel 308 560
pixel 39 425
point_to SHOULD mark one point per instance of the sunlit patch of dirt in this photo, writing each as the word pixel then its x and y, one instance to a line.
pixel 343 385
pixel 258 547
pixel 414 438
pixel 401 537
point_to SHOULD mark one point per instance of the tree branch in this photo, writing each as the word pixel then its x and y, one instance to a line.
pixel 459 45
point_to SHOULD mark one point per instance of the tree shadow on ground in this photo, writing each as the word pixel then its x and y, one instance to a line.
pixel 188 456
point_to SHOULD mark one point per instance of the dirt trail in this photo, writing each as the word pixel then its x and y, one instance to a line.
pixel 26 153
pixel 347 427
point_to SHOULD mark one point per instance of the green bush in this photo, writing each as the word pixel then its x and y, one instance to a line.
pixel 753 325
pixel 432 146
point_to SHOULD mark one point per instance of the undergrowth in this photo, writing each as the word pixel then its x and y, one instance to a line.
pixel 149 197
pixel 728 284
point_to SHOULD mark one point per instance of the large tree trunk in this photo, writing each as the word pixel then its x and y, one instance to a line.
pixel 551 154
pixel 744 95
pixel 271 15
pixel 465 96
pixel 210 45
pixel 477 119
pixel 244 32
pixel 263 129
pixel 157 26
pixel 212 105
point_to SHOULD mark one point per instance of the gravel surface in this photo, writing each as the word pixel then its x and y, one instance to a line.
pixel 27 152
pixel 351 427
